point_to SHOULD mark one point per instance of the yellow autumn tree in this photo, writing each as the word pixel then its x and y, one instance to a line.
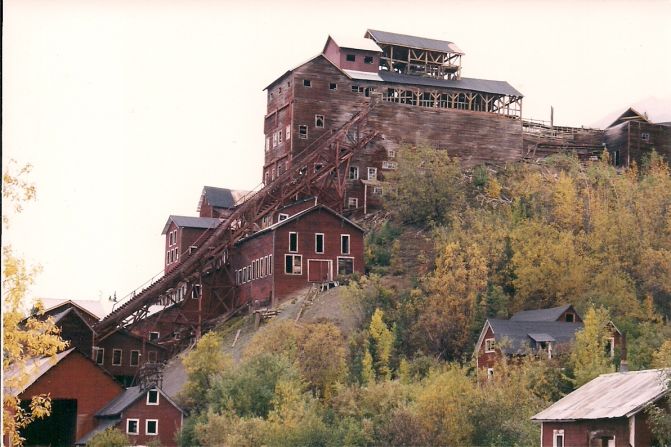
pixel 588 357
pixel 24 338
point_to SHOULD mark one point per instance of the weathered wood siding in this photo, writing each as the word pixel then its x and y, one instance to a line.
pixel 577 434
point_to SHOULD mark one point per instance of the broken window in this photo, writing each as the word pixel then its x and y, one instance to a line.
pixel 353 173
pixel 318 167
pixel 389 165
pixel 307 83
pixel 351 58
pixel 372 173
pixel 391 153
pixel 116 357
pixel 279 136
pixel 355 88
pixel 293 264
pixel 319 121
pixel 288 132
pixel 377 190
pixel 303 132
pixel 293 242
pixel 319 243
pixel 368 59
pixel 489 345
pixel 352 202
pixel 333 86
pixel 645 136
pixel 345 266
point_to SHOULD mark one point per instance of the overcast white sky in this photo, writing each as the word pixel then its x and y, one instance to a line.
pixel 127 108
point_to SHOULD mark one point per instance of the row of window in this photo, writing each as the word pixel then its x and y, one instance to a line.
pixel 171 256
pixel 366 59
pixel 354 173
pixel 259 268
pixel 319 243
pixel 150 426
pixel 172 238
pixel 117 356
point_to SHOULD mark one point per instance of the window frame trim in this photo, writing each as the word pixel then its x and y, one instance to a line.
pixel 323 244
pixel 349 244
pixel 146 427
pixel 158 397
pixel 137 425
pixel 120 351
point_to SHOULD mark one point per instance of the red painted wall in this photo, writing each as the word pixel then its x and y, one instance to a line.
pixel 76 377
pixel 487 359
pixel 169 421
pixel 127 343
pixel 576 434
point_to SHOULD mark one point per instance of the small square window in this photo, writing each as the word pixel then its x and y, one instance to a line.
pixel 368 59
pixel 319 121
pixel 154 336
pixel 151 427
pixel 303 132
pixel 133 426
pixel 489 345
pixel 391 153
pixel 351 58
pixel 152 397
pixel 352 202
pixel 134 358
pixel 282 217
pixel 116 357
pixel 307 83
pixel 645 136
pixel 344 244
pixel 333 86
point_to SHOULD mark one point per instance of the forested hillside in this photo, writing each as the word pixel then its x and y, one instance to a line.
pixel 499 240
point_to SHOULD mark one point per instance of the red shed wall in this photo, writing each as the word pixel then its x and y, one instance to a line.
pixel 319 221
pixel 487 359
pixel 576 434
pixel 261 288
pixel 77 332
pixel 169 421
pixel 76 377
pixel 127 343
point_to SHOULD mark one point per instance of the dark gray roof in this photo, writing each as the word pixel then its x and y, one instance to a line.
pixel 121 402
pixel 222 197
pixel 404 40
pixel 551 314
pixel 519 332
pixel 470 84
pixel 192 222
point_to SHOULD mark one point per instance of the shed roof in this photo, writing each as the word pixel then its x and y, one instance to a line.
pixel 520 333
pixel 404 40
pixel 222 197
pixel 472 84
pixel 355 43
pixel 128 398
pixel 191 222
pixel 609 396
pixel 551 314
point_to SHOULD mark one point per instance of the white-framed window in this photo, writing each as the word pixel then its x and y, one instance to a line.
pixel 132 426
pixel 270 264
pixel 389 165
pixel 307 83
pixel 280 134
pixel 282 217
pixel 645 136
pixel 557 438
pixel 610 347
pixel 293 264
pixel 176 255
pixel 154 335
pixel 99 355
pixel 303 132
pixel 116 357
pixel 490 373
pixel 344 244
pixel 352 202
pixel 151 427
pixel 196 291
pixel 267 177
pixel 333 86
pixel 319 243
pixel 391 153
pixel 293 242
pixel 377 190
pixel 355 89
pixel 274 139
pixel 372 173
pixel 153 397
pixel 319 121
pixel 489 345
pixel 267 144
pixel 264 263
pixel 353 173
pixel 135 358
pixel 287 132
pixel 345 265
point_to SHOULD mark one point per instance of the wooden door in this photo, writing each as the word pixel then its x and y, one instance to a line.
pixel 319 270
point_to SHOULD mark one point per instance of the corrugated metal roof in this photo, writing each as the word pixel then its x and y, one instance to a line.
pixel 223 197
pixel 551 314
pixel 34 369
pixel 356 43
pixel 192 222
pixel 122 401
pixel 519 332
pixel 405 40
pixel 471 84
pixel 609 396
pixel 91 307
pixel 541 337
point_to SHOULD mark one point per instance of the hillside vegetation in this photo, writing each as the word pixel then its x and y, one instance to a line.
pixel 495 241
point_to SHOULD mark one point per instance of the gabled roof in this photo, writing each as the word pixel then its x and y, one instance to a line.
pixel 629 115
pixel 92 308
pixel 521 333
pixel 551 314
pixel 609 396
pixel 70 310
pixel 221 197
pixel 404 40
pixel 128 398
pixel 191 222
pixel 472 84
pixel 354 43
pixel 298 216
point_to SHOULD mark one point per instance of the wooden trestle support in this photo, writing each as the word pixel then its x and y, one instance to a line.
pixel 319 170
